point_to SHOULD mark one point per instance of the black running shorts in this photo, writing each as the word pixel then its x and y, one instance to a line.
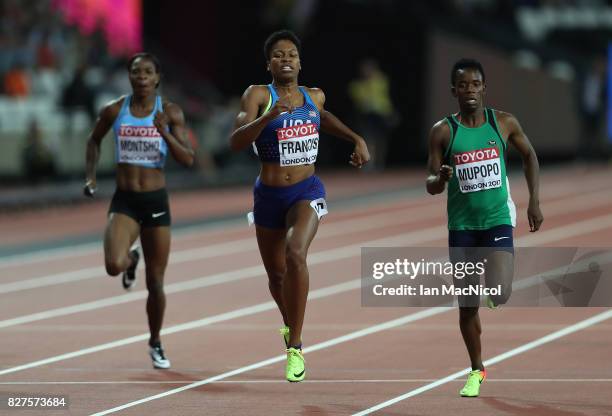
pixel 149 209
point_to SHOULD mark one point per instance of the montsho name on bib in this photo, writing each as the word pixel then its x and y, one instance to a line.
pixel 139 144
pixel 298 145
pixel 478 170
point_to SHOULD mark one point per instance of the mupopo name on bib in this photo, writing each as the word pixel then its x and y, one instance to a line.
pixel 478 170
pixel 138 144
pixel 298 144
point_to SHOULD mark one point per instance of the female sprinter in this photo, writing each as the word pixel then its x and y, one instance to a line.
pixel 146 128
pixel 282 120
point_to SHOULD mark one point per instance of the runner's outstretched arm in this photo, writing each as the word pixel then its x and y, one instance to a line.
pixel 531 167
pixel 332 125
pixel 439 173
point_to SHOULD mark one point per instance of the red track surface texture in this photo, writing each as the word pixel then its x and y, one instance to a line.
pixel 67 329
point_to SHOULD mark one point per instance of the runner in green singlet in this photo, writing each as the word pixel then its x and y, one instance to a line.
pixel 467 150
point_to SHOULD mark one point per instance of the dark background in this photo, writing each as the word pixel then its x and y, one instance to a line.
pixel 223 42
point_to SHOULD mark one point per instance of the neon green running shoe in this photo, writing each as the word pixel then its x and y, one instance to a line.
pixel 472 386
pixel 284 331
pixel 295 370
pixel 490 304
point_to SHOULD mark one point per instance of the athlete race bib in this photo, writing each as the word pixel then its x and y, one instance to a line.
pixel 320 207
pixel 298 145
pixel 478 170
pixel 139 144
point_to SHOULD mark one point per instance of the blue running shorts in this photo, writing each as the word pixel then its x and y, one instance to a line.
pixel 271 203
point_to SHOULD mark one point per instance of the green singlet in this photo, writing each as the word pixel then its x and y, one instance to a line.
pixel 479 192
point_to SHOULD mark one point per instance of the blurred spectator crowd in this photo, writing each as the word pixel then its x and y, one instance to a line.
pixel 40 56
pixel 54 79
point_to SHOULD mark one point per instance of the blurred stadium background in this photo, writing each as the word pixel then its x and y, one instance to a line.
pixel 384 66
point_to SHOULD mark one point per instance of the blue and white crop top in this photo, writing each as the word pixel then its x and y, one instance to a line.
pixel 137 141
pixel 291 139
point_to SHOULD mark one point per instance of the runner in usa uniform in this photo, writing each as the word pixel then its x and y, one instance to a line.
pixel 282 122
pixel 467 150
pixel 145 130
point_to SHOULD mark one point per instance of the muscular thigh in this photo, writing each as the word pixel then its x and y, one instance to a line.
pixel 499 269
pixel 302 225
pixel 121 231
pixel 271 242
pixel 155 243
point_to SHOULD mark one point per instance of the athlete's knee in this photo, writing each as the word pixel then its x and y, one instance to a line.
pixel 504 296
pixel 155 281
pixel 155 287
pixel 275 278
pixel 467 313
pixel 507 293
pixel 295 255
pixel 114 266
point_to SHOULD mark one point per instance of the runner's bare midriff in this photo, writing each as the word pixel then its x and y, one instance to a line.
pixel 274 175
pixel 139 179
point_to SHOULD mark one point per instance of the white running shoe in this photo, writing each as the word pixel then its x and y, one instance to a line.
pixel 159 358
pixel 128 279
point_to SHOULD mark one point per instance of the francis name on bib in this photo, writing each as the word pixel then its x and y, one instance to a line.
pixel 298 144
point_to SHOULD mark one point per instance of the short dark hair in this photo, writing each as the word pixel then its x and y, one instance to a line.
pixel 281 35
pixel 145 55
pixel 465 63
pixel 148 56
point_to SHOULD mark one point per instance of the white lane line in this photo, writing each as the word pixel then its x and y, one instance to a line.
pixel 326 344
pixel 320 257
pixel 54 254
pixel 409 213
pixel 405 200
pixel 311 381
pixel 315 294
pixel 177 328
pixel 237 313
pixel 418 236
pixel 501 357
pixel 337 228
pixel 36 257
pixel 52 279
pixel 561 187
pixel 571 230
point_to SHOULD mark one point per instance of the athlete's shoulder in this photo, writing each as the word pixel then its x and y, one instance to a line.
pixel 440 128
pixel 257 93
pixel 115 103
pixel 111 109
pixel 257 90
pixel 314 90
pixel 170 106
pixel 174 111
pixel 503 116
pixel 439 135
pixel 507 120
pixel 317 95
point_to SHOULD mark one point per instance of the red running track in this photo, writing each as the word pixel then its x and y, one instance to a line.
pixel 67 329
